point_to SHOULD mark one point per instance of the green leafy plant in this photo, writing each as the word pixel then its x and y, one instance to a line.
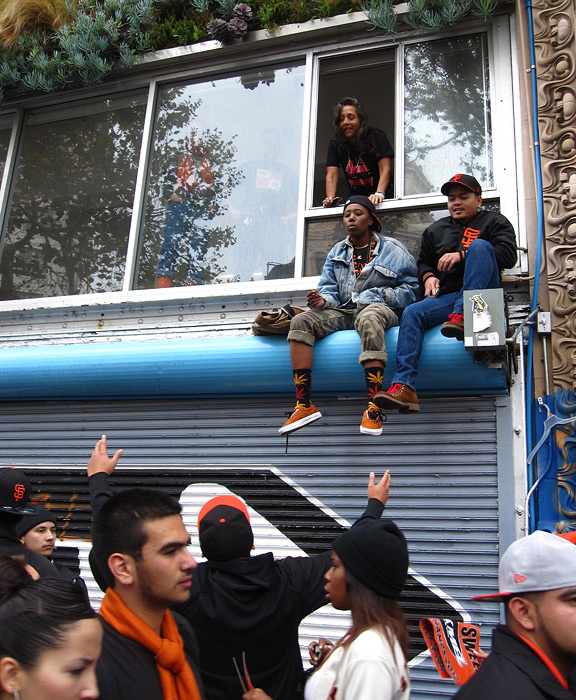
pixel 75 48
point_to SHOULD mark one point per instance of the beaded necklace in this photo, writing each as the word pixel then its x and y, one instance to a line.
pixel 359 264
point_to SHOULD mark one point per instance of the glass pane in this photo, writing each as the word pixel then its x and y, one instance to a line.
pixel 5 133
pixel 72 200
pixel 353 75
pixel 222 195
pixel 447 113
pixel 405 226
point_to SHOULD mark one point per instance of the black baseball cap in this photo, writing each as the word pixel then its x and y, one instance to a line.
pixel 224 529
pixel 15 490
pixel 367 204
pixel 467 181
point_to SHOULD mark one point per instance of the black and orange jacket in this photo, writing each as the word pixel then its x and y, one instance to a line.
pixel 448 236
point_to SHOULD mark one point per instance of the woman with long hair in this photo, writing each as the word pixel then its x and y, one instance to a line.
pixel 362 151
pixel 368 573
pixel 49 638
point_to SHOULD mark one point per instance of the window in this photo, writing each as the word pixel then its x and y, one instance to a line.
pixel 405 226
pixel 72 198
pixel 446 119
pixel 446 113
pixel 369 76
pixel 222 196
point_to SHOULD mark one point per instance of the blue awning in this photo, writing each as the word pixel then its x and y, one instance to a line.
pixel 257 366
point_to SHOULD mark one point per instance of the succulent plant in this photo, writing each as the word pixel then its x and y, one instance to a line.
pixel 237 27
pixel 218 29
pixel 243 11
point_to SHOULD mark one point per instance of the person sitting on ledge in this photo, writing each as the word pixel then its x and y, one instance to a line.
pixel 367 281
pixel 466 250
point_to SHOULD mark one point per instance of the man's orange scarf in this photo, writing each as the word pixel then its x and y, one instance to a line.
pixel 176 676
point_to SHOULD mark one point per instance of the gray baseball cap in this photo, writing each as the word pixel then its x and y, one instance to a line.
pixel 539 562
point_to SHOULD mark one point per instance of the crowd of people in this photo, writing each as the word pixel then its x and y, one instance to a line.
pixel 170 628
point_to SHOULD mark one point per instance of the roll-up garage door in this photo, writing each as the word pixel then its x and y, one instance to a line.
pixel 444 492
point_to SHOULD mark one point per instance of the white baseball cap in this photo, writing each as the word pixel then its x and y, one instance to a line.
pixel 539 562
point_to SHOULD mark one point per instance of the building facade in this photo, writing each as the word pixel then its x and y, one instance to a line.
pixel 146 221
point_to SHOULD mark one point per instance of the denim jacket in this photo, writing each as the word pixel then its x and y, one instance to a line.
pixel 392 271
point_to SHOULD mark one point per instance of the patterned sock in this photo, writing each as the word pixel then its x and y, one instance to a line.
pixel 374 377
pixel 303 383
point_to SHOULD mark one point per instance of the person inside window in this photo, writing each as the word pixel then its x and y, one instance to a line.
pixel 362 151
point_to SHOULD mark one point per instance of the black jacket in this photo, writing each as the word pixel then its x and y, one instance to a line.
pixel 127 671
pixel 11 546
pixel 445 236
pixel 255 605
pixel 513 671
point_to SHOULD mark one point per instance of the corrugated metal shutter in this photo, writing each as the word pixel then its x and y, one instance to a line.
pixel 443 462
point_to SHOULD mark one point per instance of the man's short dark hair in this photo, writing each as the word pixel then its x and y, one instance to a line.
pixel 119 524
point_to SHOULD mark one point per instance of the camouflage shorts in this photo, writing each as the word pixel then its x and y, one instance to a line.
pixel 371 323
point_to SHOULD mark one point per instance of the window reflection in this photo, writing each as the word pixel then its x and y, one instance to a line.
pixel 222 194
pixel 447 112
pixel 72 199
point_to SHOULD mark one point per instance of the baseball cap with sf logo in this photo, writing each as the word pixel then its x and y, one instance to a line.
pixel 15 490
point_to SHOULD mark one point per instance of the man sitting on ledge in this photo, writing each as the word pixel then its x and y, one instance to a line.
pixel 367 280
pixel 466 250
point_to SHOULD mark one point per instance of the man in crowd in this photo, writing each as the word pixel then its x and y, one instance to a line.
pixel 535 652
pixel 466 250
pixel 15 489
pixel 242 605
pixel 367 281
pixel 140 545
pixel 37 533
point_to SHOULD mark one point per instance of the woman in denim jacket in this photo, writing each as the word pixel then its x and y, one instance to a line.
pixel 367 280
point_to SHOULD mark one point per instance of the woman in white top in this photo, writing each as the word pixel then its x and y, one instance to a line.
pixel 368 573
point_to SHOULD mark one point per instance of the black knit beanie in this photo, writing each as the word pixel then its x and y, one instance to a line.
pixel 30 521
pixel 224 529
pixel 375 552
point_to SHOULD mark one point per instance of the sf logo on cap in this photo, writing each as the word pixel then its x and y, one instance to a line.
pixel 19 491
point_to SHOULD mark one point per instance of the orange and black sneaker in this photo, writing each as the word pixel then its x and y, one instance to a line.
pixel 454 327
pixel 371 421
pixel 398 396
pixel 302 416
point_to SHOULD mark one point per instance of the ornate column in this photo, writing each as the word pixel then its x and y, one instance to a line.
pixel 554 23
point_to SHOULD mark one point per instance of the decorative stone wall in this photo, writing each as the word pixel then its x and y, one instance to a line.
pixel 554 22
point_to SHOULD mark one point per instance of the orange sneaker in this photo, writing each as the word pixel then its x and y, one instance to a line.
pixel 302 416
pixel 398 396
pixel 371 421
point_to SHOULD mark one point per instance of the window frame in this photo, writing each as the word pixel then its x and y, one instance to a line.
pixel 504 99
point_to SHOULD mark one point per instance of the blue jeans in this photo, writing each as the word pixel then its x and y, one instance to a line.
pixel 480 272
pixel 179 233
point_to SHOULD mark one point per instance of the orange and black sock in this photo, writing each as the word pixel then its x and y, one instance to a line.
pixel 303 383
pixel 374 377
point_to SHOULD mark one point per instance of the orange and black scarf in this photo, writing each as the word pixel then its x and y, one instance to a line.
pixel 176 676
